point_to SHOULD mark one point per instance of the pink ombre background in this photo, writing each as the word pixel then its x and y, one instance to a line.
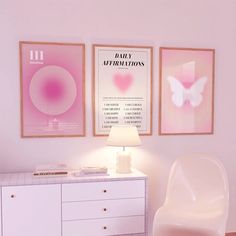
pixel 68 57
pixel 186 119
pixel 166 23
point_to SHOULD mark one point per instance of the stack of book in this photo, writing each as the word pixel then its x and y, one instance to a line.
pixel 91 171
pixel 51 170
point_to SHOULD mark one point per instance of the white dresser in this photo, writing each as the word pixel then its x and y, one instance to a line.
pixel 73 206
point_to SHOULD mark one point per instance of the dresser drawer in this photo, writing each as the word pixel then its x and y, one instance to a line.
pixel 102 227
pixel 103 190
pixel 103 209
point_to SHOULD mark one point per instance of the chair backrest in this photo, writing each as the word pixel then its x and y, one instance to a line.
pixel 198 182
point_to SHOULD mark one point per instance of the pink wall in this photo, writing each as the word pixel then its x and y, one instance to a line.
pixel 178 23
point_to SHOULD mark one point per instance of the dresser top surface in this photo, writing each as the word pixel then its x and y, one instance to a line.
pixel 27 178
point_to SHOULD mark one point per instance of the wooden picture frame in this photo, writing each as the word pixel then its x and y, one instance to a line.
pixel 122 87
pixel 186 91
pixel 52 79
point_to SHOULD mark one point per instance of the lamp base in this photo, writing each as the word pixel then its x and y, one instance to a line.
pixel 123 162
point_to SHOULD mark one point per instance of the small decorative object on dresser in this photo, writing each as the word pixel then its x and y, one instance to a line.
pixel 91 171
pixel 123 136
pixel 57 169
pixel 72 206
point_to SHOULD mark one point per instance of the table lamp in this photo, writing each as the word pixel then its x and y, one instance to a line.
pixel 123 136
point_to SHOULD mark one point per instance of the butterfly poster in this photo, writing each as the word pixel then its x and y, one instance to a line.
pixel 122 88
pixel 52 89
pixel 186 104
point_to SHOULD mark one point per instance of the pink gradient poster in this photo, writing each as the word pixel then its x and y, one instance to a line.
pixel 186 91
pixel 122 88
pixel 52 89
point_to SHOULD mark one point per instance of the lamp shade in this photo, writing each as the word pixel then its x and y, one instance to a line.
pixel 123 136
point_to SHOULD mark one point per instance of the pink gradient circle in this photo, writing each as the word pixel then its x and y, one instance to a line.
pixel 52 90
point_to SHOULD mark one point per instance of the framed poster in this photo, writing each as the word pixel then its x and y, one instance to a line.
pixel 52 89
pixel 122 88
pixel 186 104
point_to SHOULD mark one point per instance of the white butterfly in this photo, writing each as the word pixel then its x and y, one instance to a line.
pixel 182 94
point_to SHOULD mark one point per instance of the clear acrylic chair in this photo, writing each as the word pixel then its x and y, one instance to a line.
pixel 196 201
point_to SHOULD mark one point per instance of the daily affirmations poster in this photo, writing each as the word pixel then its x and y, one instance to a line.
pixel 122 88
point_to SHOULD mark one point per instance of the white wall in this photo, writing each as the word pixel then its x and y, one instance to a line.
pixel 177 23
